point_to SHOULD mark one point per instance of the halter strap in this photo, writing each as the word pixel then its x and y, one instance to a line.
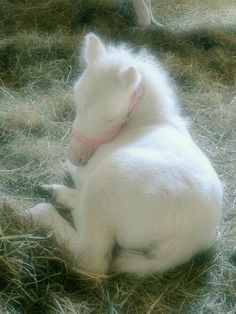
pixel 104 138
pixel 110 133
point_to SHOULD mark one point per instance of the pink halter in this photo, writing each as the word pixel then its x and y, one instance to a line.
pixel 113 130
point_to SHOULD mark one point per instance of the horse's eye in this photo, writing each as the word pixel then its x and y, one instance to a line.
pixel 109 120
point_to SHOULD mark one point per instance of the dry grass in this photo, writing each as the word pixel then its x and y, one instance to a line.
pixel 38 62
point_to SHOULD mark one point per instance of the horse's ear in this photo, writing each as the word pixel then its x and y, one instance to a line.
pixel 94 49
pixel 130 77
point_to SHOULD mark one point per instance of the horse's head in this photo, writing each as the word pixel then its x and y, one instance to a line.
pixel 105 95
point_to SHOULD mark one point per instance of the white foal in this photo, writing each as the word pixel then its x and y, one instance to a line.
pixel 142 184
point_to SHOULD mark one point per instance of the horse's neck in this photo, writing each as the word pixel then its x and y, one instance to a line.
pixel 151 108
pixel 144 114
pixel 157 107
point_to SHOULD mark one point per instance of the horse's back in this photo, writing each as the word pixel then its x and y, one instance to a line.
pixel 160 185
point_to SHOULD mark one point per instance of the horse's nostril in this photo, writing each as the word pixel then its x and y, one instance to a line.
pixel 80 160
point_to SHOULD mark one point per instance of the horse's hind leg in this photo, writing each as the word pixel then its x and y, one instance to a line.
pixel 63 195
pixel 166 256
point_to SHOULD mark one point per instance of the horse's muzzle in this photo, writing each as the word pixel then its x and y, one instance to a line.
pixel 79 154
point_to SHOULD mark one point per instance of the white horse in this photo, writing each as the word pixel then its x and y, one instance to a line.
pixel 142 184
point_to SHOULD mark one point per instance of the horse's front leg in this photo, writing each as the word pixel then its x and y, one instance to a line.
pixel 90 246
pixel 76 173
pixel 46 216
pixel 63 195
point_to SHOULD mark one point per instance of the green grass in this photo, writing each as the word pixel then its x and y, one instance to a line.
pixel 38 64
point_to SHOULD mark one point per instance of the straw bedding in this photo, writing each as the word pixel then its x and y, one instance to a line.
pixel 38 63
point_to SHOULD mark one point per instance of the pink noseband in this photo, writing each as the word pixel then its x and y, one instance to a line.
pixel 113 130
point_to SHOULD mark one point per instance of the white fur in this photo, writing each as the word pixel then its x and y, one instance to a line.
pixel 151 190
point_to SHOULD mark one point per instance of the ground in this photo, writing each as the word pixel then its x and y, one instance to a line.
pixel 39 45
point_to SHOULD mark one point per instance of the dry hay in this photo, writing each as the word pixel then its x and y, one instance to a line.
pixel 38 63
